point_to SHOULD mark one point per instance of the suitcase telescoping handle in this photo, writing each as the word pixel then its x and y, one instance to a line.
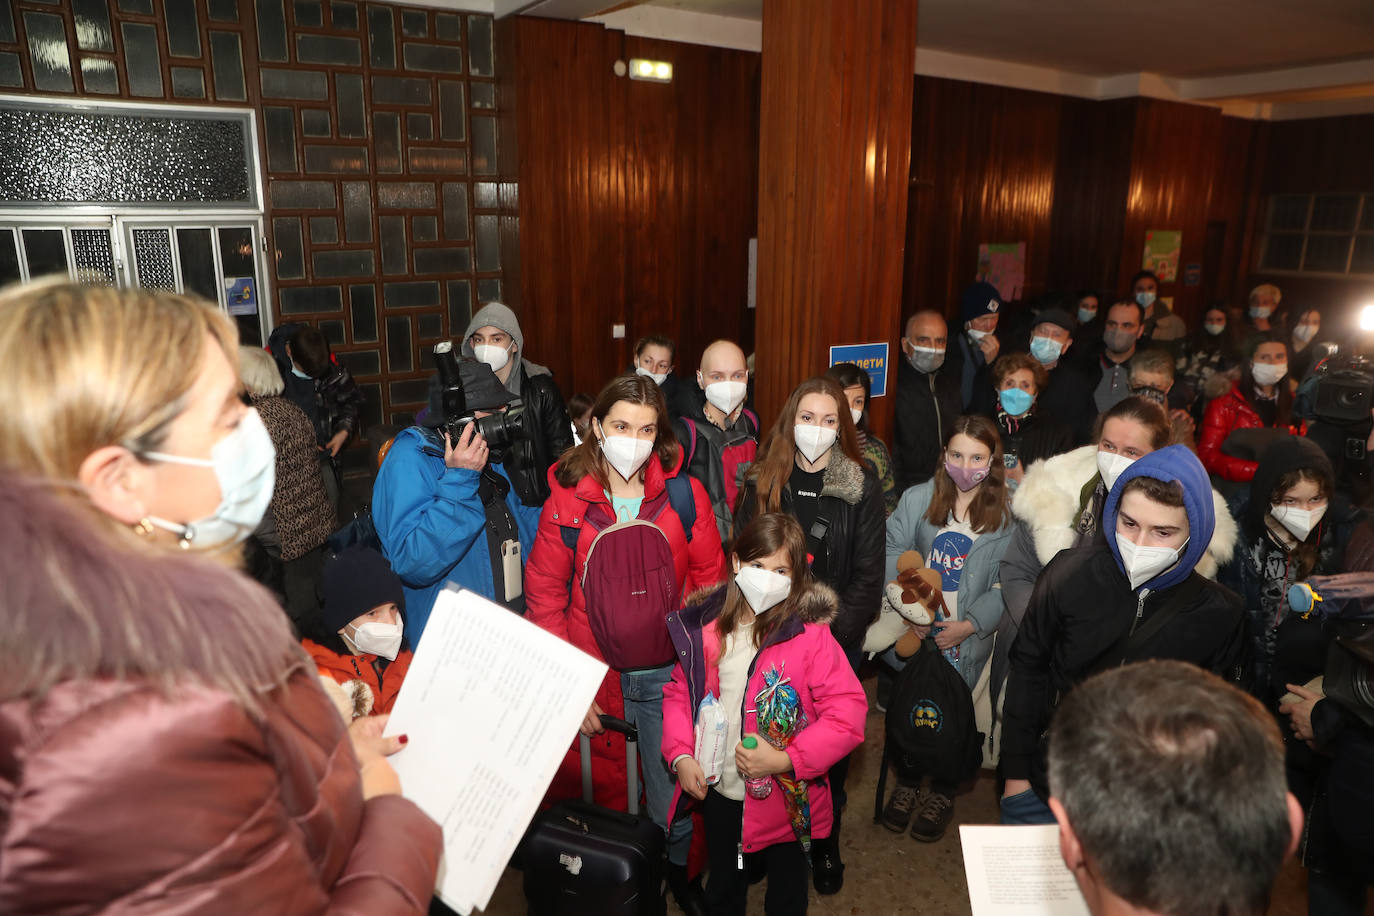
pixel 631 759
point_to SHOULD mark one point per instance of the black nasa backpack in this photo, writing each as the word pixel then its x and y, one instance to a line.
pixel 930 725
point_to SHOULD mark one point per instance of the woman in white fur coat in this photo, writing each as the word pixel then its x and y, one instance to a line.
pixel 1059 505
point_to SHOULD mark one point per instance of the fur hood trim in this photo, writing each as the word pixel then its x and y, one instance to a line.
pixel 87 602
pixel 817 602
pixel 843 478
pixel 1047 504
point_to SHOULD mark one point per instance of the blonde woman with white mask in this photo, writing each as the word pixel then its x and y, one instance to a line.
pixel 172 743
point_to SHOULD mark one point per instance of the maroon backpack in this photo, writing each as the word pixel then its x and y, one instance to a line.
pixel 629 583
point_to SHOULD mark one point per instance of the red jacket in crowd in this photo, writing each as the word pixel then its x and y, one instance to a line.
pixel 1225 414
pixel 554 601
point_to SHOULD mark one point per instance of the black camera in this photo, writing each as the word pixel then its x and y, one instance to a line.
pixel 501 430
pixel 1345 390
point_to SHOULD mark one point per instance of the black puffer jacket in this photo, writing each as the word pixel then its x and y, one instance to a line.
pixel 1081 607
pixel 855 545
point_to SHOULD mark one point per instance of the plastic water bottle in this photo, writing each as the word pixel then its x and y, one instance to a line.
pixel 759 786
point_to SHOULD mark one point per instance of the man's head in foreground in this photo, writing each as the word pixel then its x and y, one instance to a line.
pixel 1168 785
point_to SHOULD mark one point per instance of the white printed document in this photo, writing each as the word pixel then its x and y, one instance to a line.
pixel 1018 871
pixel 491 705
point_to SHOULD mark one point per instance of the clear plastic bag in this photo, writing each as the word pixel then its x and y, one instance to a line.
pixel 711 738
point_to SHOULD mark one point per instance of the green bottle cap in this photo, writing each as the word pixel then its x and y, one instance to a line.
pixel 750 743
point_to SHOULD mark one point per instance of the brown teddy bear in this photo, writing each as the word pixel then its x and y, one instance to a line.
pixel 912 599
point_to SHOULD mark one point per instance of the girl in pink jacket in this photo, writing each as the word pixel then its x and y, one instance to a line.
pixel 761 644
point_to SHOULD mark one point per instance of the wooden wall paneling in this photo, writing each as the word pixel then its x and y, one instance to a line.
pixel 834 166
pixel 1320 154
pixel 1229 206
pixel 692 196
pixel 1175 154
pixel 571 196
pixel 983 170
pixel 1092 172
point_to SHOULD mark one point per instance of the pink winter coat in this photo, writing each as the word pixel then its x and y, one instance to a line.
pixel 804 650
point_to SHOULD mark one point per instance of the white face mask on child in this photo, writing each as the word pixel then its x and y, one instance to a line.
pixel 762 588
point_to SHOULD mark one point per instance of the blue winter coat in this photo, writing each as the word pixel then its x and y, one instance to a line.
pixel 432 525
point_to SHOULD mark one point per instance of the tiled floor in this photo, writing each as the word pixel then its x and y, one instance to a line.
pixel 891 875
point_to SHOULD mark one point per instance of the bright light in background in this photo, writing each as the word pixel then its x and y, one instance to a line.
pixel 1367 318
pixel 654 71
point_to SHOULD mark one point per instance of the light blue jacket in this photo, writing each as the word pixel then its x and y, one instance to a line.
pixel 980 592
pixel 432 525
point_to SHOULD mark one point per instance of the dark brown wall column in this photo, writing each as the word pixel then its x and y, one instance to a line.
pixel 834 160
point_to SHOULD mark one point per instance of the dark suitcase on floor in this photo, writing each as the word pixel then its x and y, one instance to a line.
pixel 582 859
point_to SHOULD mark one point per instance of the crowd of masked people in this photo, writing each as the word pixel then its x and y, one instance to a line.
pixel 1086 480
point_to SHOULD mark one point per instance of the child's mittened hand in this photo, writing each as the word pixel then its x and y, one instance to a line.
pixel 691 778
pixel 762 760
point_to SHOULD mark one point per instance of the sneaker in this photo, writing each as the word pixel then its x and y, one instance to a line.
pixel 897 814
pixel 936 812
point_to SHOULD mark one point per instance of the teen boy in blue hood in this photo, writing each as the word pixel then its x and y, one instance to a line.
pixel 1136 597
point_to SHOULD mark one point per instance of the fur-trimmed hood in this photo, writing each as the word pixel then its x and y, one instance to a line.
pixel 83 604
pixel 817 602
pixel 1048 503
pixel 843 478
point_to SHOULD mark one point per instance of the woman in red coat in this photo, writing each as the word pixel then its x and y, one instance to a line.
pixel 1262 398
pixel 622 472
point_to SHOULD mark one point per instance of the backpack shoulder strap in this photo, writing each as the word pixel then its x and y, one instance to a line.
pixel 690 442
pixel 753 421
pixel 683 501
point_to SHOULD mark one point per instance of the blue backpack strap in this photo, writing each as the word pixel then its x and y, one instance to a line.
pixel 683 501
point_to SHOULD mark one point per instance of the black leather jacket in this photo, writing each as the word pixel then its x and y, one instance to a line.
pixel 550 435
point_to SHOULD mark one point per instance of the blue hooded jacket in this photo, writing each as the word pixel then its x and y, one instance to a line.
pixel 432 525
pixel 1174 463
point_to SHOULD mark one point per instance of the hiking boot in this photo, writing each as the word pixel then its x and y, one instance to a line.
pixel 933 817
pixel 897 813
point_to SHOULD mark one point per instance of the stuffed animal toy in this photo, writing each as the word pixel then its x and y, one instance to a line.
pixel 912 599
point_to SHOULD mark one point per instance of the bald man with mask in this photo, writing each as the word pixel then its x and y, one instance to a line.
pixel 719 434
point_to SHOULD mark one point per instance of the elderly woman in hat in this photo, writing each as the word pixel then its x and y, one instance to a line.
pixel 445 509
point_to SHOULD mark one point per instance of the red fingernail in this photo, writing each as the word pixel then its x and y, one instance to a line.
pixel 403 738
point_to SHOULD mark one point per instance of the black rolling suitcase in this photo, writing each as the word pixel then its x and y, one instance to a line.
pixel 582 859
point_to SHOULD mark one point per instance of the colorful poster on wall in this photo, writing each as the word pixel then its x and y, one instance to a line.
pixel 1004 266
pixel 1162 247
pixel 241 294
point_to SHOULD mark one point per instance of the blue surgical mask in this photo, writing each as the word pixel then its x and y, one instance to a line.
pixel 1260 311
pixel 245 465
pixel 1086 315
pixel 298 373
pixel 1045 349
pixel 1145 299
pixel 1015 401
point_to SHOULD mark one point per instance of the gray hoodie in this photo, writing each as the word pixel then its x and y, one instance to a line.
pixel 499 315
